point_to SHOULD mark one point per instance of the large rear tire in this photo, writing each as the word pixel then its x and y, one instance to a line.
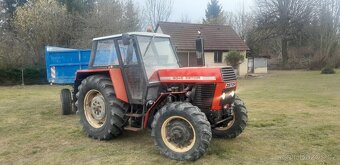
pixel 101 113
pixel 181 131
pixel 236 126
pixel 66 102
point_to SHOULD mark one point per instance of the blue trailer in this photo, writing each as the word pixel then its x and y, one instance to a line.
pixel 62 63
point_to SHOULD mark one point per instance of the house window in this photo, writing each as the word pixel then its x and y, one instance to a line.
pixel 218 56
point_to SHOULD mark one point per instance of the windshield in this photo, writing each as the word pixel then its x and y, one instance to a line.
pixel 156 53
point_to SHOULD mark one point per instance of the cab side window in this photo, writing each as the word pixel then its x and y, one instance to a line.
pixel 106 53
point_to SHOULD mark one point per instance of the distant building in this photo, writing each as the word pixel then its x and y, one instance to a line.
pixel 258 64
pixel 218 41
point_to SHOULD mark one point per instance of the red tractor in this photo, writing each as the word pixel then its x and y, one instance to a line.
pixel 135 81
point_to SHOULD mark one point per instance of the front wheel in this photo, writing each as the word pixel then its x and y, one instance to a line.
pixel 235 126
pixel 181 131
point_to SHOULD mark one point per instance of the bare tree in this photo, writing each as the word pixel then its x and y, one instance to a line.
pixel 242 23
pixel 108 17
pixel 283 19
pixel 326 30
pixel 11 51
pixel 41 23
pixel 3 15
pixel 157 10
pixel 318 42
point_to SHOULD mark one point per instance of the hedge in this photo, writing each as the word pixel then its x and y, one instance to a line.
pixel 31 76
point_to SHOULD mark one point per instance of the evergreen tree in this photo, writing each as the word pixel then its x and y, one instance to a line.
pixel 131 17
pixel 214 14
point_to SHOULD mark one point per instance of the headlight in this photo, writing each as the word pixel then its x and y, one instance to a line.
pixel 227 94
pixel 232 93
pixel 227 97
pixel 223 96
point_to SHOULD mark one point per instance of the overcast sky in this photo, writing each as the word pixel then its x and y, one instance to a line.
pixel 195 9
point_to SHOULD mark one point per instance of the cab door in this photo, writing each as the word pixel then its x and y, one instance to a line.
pixel 133 73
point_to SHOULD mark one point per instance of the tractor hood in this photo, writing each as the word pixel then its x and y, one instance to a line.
pixel 197 75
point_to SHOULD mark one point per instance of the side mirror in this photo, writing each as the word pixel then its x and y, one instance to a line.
pixel 126 39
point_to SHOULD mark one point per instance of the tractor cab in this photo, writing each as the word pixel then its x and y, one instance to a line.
pixel 139 55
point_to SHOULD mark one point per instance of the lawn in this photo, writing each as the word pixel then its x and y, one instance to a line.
pixel 294 118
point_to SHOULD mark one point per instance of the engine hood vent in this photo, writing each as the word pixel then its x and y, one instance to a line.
pixel 228 74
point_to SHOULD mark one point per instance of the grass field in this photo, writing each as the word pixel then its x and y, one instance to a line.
pixel 294 118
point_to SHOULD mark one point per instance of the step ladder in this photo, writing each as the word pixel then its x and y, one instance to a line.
pixel 129 127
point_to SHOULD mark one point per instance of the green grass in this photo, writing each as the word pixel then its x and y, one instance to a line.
pixel 294 118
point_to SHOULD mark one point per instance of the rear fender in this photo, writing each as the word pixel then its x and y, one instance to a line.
pixel 116 77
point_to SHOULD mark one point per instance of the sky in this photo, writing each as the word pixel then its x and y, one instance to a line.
pixel 195 9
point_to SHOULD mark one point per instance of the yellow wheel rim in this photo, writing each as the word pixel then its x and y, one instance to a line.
pixel 94 108
pixel 169 133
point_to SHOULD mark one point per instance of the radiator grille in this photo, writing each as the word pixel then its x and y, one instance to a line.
pixel 204 94
pixel 228 74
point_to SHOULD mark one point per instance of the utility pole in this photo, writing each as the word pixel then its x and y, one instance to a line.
pixel 242 26
pixel 22 77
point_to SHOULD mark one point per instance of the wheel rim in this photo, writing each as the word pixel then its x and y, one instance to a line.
pixel 94 108
pixel 178 134
pixel 230 123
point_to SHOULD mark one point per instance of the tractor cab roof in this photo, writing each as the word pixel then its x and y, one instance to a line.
pixel 133 33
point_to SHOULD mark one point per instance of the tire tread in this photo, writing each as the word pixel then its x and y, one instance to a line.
pixel 199 119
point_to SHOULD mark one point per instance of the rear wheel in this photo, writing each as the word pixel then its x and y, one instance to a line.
pixel 181 131
pixel 101 113
pixel 235 126
pixel 66 102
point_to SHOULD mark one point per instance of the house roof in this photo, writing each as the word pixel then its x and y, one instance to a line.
pixel 216 37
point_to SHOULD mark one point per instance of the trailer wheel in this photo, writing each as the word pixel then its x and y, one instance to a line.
pixel 236 126
pixel 66 102
pixel 181 131
pixel 101 113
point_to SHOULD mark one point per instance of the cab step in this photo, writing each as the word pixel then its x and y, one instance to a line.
pixel 129 128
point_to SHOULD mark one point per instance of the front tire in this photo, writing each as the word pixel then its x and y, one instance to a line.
pixel 236 126
pixel 101 113
pixel 181 131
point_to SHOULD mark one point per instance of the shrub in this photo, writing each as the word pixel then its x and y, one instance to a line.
pixel 12 76
pixel 337 61
pixel 234 58
pixel 35 75
pixel 327 70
